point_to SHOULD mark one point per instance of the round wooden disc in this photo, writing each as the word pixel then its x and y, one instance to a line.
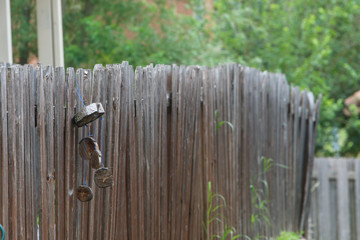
pixel 84 193
pixel 104 178
pixel 90 146
pixel 96 159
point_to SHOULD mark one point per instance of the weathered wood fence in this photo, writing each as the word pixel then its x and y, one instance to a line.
pixel 163 140
pixel 335 202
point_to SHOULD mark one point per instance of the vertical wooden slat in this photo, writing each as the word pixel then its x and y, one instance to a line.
pixel 192 90
pixel 163 147
pixel 19 117
pixel 90 96
pixel 70 158
pixel 78 173
pixel 309 160
pixel 222 160
pixel 41 153
pixel 4 181
pixel 195 221
pixel 173 164
pixel 27 156
pixel 95 220
pixel 237 144
pixel 121 228
pixel 284 147
pixel 133 162
pixel 140 147
pixel 246 160
pixel 59 130
pixel 265 123
pixel 12 174
pixel 116 89
pixel 49 148
pixel 343 201
pixel 357 196
pixel 209 130
pixel 33 148
pixel 106 98
pixel 324 195
pixel 299 159
pixel 155 150
pixel 85 78
pixel 181 152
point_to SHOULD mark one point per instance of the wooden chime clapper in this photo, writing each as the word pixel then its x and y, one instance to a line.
pixel 89 149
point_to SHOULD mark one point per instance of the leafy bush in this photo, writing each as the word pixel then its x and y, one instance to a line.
pixel 315 43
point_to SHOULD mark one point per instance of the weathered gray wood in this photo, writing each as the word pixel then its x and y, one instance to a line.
pixel 19 121
pixel 33 147
pixel 12 162
pixel 162 144
pixel 59 123
pixel 78 163
pixel 116 106
pixel 173 163
pixel 70 158
pixel 27 156
pixel 4 181
pixel 41 152
pixel 357 196
pixel 95 206
pixel 343 201
pixel 86 79
pixel 49 143
pixel 180 152
pixel 139 126
pixel 196 171
pixel 313 121
pixel 323 203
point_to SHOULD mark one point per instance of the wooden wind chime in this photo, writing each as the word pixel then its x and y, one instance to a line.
pixel 89 148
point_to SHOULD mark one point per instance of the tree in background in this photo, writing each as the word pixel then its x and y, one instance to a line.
pixel 315 43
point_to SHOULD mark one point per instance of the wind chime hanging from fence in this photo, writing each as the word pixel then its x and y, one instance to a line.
pixel 89 148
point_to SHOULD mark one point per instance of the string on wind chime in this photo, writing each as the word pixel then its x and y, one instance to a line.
pixel 103 176
pixel 84 192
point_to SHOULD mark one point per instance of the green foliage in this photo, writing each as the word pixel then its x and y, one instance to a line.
pixel 213 215
pixel 289 236
pixel 137 31
pixel 260 214
pixel 315 43
pixel 24 35
pixel 219 123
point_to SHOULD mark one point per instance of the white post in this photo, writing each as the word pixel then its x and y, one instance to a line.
pixel 5 32
pixel 49 29
pixel 58 33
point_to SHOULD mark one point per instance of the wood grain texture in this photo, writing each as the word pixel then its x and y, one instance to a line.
pixel 59 108
pixel 167 132
pixel 69 145
pixel 4 202
pixel 12 162
pixel 343 208
pixel 357 196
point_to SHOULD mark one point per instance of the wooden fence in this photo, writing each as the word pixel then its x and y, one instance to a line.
pixel 335 203
pixel 164 139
